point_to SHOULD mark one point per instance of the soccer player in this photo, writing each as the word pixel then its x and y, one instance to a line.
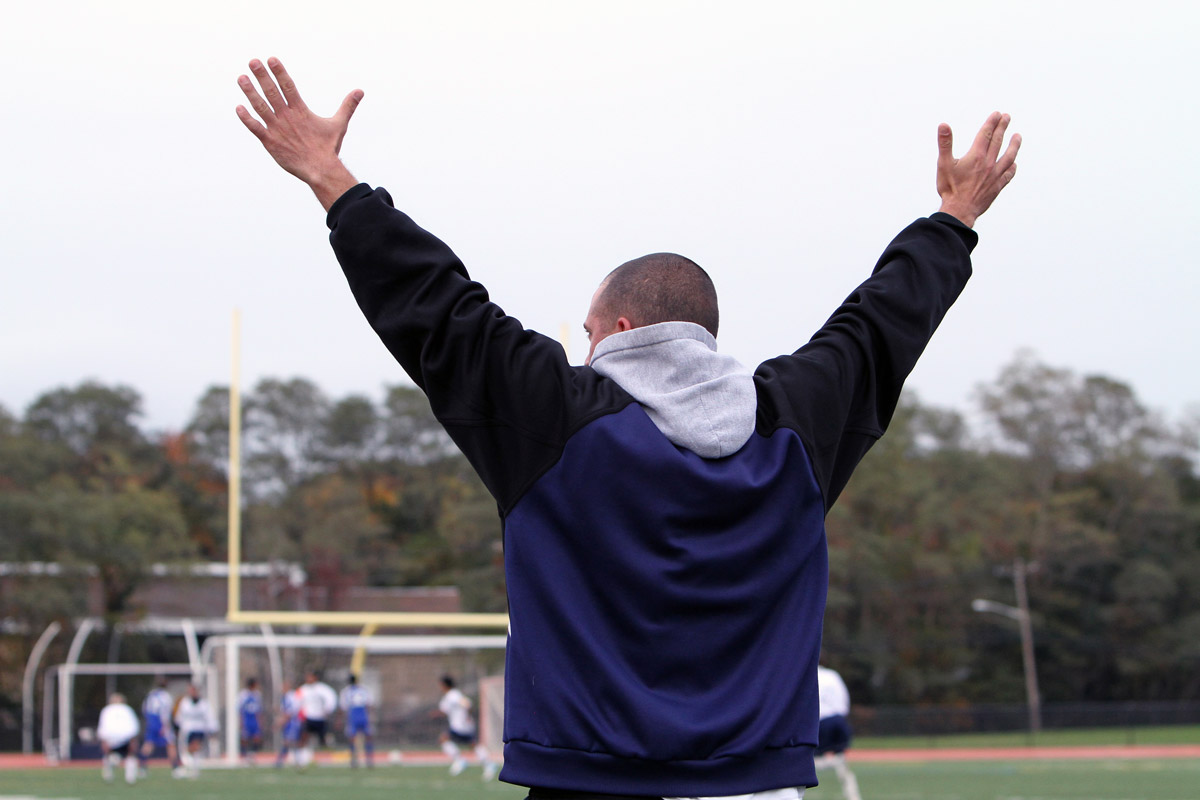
pixel 461 730
pixel 356 701
pixel 833 729
pixel 291 723
pixel 157 710
pixel 117 731
pixel 249 708
pixel 663 506
pixel 317 702
pixel 196 721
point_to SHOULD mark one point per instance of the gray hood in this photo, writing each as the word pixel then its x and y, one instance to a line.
pixel 701 400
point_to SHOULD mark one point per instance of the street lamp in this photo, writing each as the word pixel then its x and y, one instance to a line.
pixel 1020 613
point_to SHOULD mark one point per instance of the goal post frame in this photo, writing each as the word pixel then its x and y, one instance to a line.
pixel 63 676
pixel 234 611
pixel 394 644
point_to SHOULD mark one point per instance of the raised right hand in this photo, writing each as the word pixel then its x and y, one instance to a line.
pixel 303 143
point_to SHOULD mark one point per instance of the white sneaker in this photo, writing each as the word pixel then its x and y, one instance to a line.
pixel 458 766
pixel 179 772
pixel 489 770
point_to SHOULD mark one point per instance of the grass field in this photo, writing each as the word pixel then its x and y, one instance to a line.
pixel 1166 779
pixel 1079 737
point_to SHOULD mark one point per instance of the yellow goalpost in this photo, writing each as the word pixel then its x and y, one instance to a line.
pixel 371 620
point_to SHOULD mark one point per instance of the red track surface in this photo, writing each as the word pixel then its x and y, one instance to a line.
pixel 1099 753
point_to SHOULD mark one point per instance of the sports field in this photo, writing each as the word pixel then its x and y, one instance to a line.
pixel 910 779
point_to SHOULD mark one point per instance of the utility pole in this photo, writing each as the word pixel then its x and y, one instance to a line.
pixel 1033 696
pixel 1020 613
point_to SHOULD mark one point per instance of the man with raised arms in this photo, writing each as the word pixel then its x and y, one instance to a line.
pixel 662 506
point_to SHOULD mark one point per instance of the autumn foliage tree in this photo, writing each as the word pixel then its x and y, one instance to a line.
pixel 1070 474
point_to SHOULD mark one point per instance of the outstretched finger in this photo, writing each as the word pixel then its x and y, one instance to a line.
pixel 997 140
pixel 286 85
pixel 945 140
pixel 269 90
pixel 346 109
pixel 983 139
pixel 253 125
pixel 1009 174
pixel 256 102
pixel 1008 160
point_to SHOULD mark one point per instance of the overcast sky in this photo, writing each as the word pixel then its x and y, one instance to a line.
pixel 778 145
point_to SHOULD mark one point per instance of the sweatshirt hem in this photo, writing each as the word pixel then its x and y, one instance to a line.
pixel 529 764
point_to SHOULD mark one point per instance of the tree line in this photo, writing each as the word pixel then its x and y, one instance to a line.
pixel 1071 475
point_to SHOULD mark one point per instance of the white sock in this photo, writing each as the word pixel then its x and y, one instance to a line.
pixel 131 769
pixel 450 749
pixel 481 753
pixel 849 782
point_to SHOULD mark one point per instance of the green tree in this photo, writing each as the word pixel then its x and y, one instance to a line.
pixel 86 492
pixel 1106 528
pixel 283 425
pixel 117 533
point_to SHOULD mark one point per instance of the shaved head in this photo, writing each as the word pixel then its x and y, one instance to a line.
pixel 660 287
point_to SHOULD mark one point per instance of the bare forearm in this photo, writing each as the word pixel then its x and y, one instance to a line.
pixel 331 182
pixel 959 211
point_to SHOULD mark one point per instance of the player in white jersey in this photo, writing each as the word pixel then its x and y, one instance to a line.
pixel 157 709
pixel 833 736
pixel 117 731
pixel 318 701
pixel 196 721
pixel 462 731
pixel 356 701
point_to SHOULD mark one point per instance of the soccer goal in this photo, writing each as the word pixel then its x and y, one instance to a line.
pixel 400 671
pixel 62 721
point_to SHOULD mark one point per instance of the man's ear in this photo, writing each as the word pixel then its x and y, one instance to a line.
pixel 623 324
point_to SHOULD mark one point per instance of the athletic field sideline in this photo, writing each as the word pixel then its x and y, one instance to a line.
pixel 1102 772
pixel 1148 778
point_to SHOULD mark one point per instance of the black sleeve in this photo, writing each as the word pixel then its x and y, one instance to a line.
pixel 839 391
pixel 507 396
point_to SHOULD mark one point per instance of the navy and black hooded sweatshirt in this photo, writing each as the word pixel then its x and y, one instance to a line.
pixel 663 509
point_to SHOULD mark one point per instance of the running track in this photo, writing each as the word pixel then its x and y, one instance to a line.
pixel 1098 753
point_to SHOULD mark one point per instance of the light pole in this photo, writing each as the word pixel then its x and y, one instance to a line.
pixel 1021 614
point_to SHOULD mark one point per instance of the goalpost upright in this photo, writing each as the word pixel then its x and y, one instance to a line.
pixel 235 613
pixel 369 621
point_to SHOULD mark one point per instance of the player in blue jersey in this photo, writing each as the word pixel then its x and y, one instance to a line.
pixel 249 709
pixel 291 723
pixel 156 724
pixel 356 700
